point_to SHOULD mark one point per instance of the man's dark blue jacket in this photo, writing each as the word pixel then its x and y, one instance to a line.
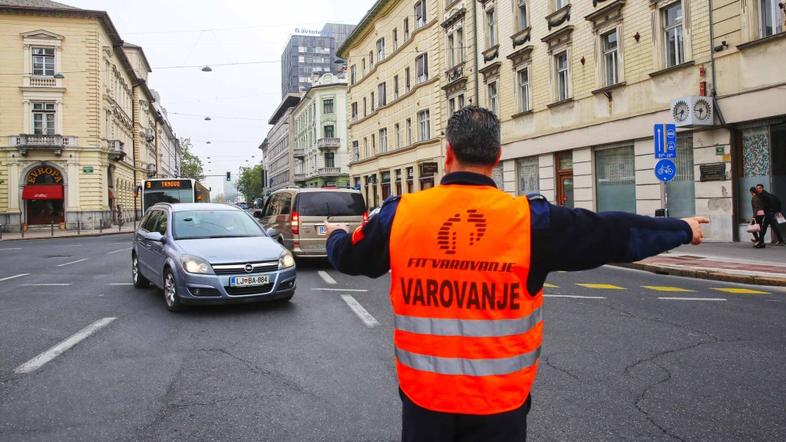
pixel 562 238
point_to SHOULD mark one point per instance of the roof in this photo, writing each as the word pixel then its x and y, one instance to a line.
pixel 141 51
pixel 36 4
pixel 290 100
pixel 368 19
pixel 181 207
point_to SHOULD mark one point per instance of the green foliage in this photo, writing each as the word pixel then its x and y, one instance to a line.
pixel 190 165
pixel 250 183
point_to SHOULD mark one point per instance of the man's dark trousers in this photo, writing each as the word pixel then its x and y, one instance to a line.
pixel 421 425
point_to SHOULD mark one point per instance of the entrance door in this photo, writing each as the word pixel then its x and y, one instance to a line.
pixel 43 195
pixel 564 162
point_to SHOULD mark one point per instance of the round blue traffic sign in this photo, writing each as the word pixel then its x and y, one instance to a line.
pixel 665 170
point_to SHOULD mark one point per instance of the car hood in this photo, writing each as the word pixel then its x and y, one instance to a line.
pixel 232 250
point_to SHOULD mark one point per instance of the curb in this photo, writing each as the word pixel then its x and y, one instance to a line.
pixel 708 274
pixel 84 235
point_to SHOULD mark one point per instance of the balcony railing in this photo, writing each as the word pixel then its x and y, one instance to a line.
pixel 299 152
pixel 299 177
pixel 116 150
pixel 455 72
pixel 328 143
pixel 329 171
pixel 42 81
pixel 55 143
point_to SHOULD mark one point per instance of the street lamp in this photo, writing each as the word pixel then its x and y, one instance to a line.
pixel 208 118
pixel 59 76
pixel 207 69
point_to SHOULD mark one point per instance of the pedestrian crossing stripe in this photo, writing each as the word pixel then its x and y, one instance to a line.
pixel 601 286
pixel 550 286
pixel 663 288
pixel 740 291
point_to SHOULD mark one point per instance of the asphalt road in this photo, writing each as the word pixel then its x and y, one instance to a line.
pixel 677 360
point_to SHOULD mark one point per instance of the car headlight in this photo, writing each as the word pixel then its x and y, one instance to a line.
pixel 195 264
pixel 286 260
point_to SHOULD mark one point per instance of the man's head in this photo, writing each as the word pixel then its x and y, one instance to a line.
pixel 759 188
pixel 753 190
pixel 473 141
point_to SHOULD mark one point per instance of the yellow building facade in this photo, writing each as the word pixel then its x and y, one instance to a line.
pixel 70 147
pixel 401 81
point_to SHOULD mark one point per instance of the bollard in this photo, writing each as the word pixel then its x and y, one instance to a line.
pixel 52 227
pixel 1 232
pixel 78 226
pixel 101 224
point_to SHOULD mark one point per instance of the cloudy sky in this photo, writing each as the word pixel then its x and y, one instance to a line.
pixel 239 98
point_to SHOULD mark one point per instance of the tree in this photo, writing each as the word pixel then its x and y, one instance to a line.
pixel 250 183
pixel 190 164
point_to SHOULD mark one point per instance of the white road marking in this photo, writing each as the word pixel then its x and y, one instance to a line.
pixel 693 299
pixel 10 248
pixel 121 283
pixel 340 290
pixel 40 360
pixel 64 284
pixel 72 262
pixel 119 250
pixel 574 296
pixel 13 277
pixel 325 277
pixel 364 315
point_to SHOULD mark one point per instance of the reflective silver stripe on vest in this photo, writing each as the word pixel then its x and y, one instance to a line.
pixel 473 328
pixel 468 367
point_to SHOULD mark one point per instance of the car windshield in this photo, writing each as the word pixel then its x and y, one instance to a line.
pixel 330 204
pixel 200 224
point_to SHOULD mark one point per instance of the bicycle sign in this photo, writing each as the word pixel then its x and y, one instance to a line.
pixel 665 170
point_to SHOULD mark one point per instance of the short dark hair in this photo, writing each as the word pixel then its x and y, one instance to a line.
pixel 753 189
pixel 473 133
pixel 760 185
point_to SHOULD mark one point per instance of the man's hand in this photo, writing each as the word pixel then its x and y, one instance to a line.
pixel 332 227
pixel 695 226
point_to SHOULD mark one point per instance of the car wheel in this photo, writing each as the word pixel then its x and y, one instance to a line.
pixel 140 281
pixel 172 299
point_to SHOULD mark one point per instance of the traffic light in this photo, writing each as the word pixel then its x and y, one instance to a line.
pixel 229 176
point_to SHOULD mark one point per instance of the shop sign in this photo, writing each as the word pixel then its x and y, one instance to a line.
pixel 40 172
pixel 712 172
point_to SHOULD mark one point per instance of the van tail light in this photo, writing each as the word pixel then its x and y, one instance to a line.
pixel 295 223
pixel 365 216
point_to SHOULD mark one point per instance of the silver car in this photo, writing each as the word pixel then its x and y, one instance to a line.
pixel 209 253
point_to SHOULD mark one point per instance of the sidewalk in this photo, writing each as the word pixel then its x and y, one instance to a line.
pixel 47 233
pixel 732 262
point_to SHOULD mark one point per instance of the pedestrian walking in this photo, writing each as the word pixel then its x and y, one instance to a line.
pixel 757 206
pixel 772 214
pixel 468 265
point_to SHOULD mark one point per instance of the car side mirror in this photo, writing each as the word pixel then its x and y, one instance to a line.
pixel 155 237
pixel 271 232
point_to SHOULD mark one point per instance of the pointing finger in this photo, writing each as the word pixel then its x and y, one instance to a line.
pixel 703 219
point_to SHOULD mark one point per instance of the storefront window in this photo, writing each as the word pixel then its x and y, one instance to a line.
pixel 615 179
pixel 682 189
pixel 427 172
pixel 527 176
pixel 385 185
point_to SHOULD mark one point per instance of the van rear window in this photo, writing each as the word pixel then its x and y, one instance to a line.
pixel 330 204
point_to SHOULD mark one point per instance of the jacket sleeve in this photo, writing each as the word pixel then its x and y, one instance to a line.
pixel 366 250
pixel 578 239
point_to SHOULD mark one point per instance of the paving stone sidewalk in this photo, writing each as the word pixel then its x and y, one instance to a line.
pixel 57 233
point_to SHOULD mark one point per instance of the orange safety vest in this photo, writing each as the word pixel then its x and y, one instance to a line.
pixel 467 332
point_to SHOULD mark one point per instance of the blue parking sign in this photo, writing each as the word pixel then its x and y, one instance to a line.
pixel 665 170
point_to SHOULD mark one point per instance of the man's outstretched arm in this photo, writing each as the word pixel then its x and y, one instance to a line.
pixel 364 251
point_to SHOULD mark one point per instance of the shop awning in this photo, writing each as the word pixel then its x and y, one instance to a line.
pixel 42 192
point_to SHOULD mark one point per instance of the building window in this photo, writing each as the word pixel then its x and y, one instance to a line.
pixel 563 78
pixel 370 59
pixel 380 49
pixel 382 94
pixel 406 29
pixel 420 14
pixel 365 147
pixel 43 118
pixel 610 58
pixel 395 39
pixel 330 159
pixel 353 74
pixel 44 61
pixel 397 130
pixel 527 175
pixel 329 131
pixel 373 144
pixel 408 124
pixel 327 106
pixel 395 87
pixel 616 181
pixel 407 80
pixel 354 111
pixel 363 65
pixel 521 13
pixel 559 4
pixel 523 83
pixel 672 32
pixel 355 151
pixel 424 126
pixel 682 189
pixel 422 65
pixel 364 107
pixel 491 27
pixel 492 97
pixel 383 140
pixel 455 103
pixel 456 47
pixel 770 17
pixel 373 103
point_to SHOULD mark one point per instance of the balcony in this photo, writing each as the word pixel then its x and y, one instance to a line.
pixel 300 177
pixel 328 143
pixel 116 151
pixel 299 152
pixel 455 73
pixel 54 143
pixel 42 81
pixel 329 172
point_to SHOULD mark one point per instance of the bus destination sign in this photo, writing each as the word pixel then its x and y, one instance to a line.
pixel 168 184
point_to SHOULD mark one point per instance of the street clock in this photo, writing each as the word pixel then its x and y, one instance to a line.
pixel 693 111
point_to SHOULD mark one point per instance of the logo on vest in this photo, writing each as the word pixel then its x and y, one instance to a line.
pixel 448 236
